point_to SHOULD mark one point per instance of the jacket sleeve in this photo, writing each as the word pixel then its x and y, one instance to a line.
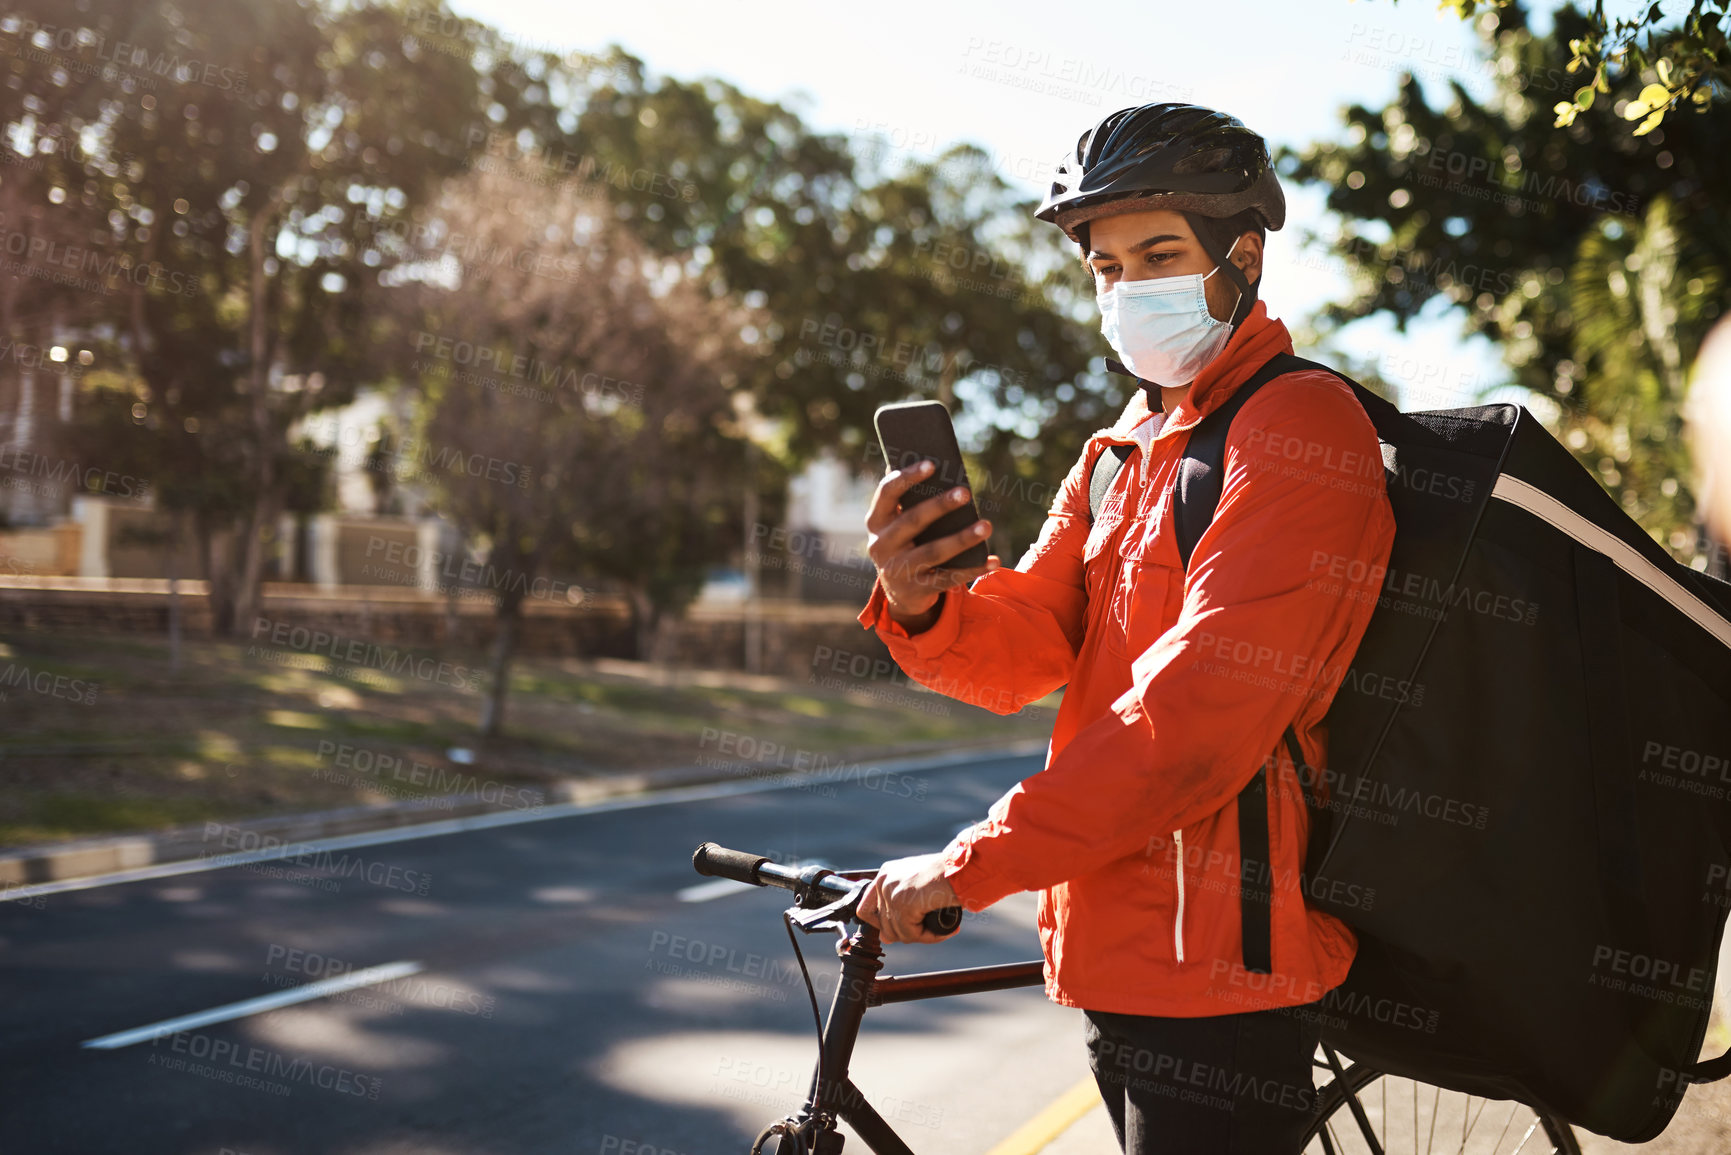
pixel 1266 630
pixel 1011 637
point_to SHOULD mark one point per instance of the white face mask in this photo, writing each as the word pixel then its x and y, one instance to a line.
pixel 1161 328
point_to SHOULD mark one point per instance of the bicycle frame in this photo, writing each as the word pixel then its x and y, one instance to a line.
pixel 833 1094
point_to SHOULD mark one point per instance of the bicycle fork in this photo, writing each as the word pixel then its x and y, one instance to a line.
pixel 832 1095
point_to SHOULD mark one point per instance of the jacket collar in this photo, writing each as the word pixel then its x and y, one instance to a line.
pixel 1258 338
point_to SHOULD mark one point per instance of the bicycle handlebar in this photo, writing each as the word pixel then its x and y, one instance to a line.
pixel 715 861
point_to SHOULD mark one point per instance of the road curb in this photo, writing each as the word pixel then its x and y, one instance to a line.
pixel 57 862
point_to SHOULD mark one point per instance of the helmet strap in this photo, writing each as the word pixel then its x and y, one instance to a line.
pixel 1223 262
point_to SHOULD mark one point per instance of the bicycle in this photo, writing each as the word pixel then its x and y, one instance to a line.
pixel 828 900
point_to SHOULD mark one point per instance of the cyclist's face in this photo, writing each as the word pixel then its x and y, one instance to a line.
pixel 1152 243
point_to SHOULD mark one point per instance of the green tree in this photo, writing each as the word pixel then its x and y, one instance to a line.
pixel 852 256
pixel 1593 257
pixel 1677 65
pixel 576 408
pixel 251 166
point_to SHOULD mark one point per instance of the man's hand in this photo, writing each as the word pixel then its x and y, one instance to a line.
pixel 911 575
pixel 904 892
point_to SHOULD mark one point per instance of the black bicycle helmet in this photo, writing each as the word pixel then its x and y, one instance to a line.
pixel 1193 160
pixel 1165 156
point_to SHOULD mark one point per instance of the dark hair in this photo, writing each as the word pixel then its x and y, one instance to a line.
pixel 1222 231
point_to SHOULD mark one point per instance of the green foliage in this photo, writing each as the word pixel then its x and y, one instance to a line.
pixel 617 452
pixel 273 205
pixel 1685 64
pixel 1595 258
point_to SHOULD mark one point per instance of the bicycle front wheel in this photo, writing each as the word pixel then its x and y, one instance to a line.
pixel 1364 1111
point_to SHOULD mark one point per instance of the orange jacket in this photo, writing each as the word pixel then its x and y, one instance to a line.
pixel 1180 686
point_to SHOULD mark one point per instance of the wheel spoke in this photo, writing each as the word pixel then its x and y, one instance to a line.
pixel 1467 1134
pixel 1534 1126
pixel 1506 1123
pixel 1343 1123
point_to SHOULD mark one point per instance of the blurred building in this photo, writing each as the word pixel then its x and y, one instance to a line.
pixel 819 554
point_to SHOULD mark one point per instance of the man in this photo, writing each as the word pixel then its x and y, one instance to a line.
pixel 1180 681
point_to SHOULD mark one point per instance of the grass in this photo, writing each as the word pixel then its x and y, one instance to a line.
pixel 99 735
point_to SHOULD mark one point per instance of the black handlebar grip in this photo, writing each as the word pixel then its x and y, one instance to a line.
pixel 720 862
pixel 943 921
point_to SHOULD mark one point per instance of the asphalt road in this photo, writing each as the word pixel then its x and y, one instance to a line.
pixel 568 1000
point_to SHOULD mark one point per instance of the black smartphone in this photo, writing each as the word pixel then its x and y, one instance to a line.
pixel 913 431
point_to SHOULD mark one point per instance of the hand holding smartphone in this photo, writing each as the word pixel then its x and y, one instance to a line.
pixel 913 431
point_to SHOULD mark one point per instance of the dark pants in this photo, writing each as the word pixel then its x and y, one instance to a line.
pixel 1223 1085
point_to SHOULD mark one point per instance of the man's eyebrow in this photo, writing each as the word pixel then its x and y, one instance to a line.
pixel 1140 245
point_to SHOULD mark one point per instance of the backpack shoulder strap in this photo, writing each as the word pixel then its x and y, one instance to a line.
pixel 1202 472
pixel 1201 475
pixel 1105 468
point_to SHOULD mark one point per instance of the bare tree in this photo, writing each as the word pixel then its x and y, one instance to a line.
pixel 576 397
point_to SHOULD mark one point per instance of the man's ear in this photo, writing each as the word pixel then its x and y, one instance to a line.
pixel 1248 256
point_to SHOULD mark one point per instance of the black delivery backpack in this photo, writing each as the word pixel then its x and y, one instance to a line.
pixel 1526 814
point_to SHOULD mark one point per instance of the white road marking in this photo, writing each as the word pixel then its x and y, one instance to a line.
pixel 301 994
pixel 714 888
pixel 489 821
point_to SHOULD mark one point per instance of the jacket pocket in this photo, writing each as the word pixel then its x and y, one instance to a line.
pixel 1139 614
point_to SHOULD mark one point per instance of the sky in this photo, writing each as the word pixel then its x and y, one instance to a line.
pixel 1024 80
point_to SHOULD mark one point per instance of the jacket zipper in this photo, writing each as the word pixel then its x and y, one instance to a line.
pixel 1178 923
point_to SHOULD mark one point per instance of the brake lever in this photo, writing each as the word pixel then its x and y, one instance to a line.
pixel 835 916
